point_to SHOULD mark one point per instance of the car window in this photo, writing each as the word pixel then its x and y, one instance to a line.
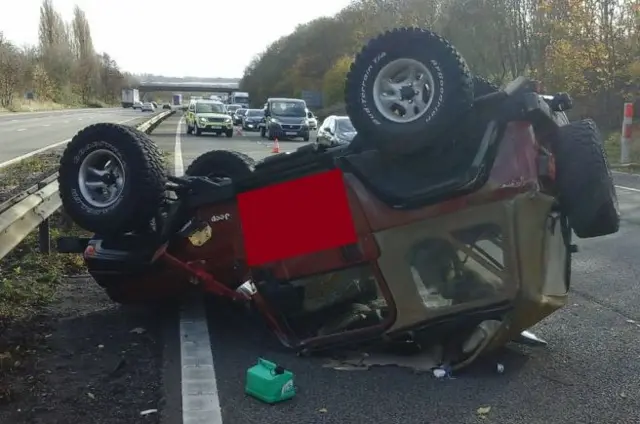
pixel 241 112
pixel 344 125
pixel 209 108
pixel 255 112
pixel 332 126
pixel 326 124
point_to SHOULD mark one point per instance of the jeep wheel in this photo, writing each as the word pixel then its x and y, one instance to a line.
pixel 405 88
pixel 189 129
pixel 221 164
pixel 482 87
pixel 197 130
pixel 585 184
pixel 111 179
pixel 229 133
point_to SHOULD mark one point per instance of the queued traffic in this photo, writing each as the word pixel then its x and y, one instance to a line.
pixel 279 118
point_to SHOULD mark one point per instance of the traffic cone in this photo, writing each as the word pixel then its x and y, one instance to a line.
pixel 276 146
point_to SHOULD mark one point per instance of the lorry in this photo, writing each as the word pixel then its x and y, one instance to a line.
pixel 177 99
pixel 239 98
pixel 130 96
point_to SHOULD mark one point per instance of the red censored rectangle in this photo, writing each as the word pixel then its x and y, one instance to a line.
pixel 296 217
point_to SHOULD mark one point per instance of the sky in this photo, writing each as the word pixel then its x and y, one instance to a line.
pixel 204 38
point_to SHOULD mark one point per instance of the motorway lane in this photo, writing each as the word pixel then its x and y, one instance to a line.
pixel 589 373
pixel 24 133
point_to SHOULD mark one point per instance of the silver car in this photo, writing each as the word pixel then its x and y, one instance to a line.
pixel 147 107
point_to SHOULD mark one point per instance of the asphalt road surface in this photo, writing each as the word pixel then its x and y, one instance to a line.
pixel 22 133
pixel 589 373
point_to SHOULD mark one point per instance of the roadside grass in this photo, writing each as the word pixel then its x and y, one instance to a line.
pixel 28 278
pixel 43 106
pixel 612 148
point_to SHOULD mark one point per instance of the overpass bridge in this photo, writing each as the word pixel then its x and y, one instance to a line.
pixel 188 86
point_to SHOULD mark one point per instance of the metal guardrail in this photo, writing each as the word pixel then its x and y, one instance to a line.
pixel 22 213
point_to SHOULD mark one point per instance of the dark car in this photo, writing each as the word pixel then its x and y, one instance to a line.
pixel 253 119
pixel 166 106
pixel 238 115
pixel 285 119
pixel 336 130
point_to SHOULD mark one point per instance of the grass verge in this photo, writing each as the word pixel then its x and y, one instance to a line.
pixel 44 106
pixel 28 279
pixel 612 148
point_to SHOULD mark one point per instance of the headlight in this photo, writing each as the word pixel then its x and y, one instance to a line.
pixel 275 121
pixel 227 120
pixel 203 119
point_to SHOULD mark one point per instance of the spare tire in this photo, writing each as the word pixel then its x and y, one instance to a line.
pixel 405 88
pixel 111 179
pixel 221 164
pixel 586 191
pixel 482 87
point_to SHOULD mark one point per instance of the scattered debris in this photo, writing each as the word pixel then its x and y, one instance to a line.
pixel 483 411
pixel 138 330
pixel 323 410
pixel 91 395
pixel 500 368
pixel 148 411
pixel 439 373
pixel 422 361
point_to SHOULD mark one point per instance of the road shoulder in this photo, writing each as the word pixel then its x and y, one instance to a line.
pixel 81 359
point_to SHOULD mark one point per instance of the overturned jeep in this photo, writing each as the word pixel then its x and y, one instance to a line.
pixel 449 218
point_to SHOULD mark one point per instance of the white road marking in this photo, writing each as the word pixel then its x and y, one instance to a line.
pixel 45 148
pixel 177 152
pixel 21 129
pixel 46 125
pixel 628 188
pixel 200 400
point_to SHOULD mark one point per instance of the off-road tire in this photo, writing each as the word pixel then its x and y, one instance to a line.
pixel 586 190
pixel 221 163
pixel 229 133
pixel 482 87
pixel 452 78
pixel 145 179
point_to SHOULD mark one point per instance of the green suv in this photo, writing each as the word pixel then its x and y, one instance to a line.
pixel 208 116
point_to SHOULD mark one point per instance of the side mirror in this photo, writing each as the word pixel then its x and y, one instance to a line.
pixel 329 131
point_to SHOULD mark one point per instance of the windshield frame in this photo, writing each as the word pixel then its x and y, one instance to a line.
pixel 220 105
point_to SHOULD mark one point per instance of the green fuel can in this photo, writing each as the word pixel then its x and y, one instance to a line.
pixel 269 382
